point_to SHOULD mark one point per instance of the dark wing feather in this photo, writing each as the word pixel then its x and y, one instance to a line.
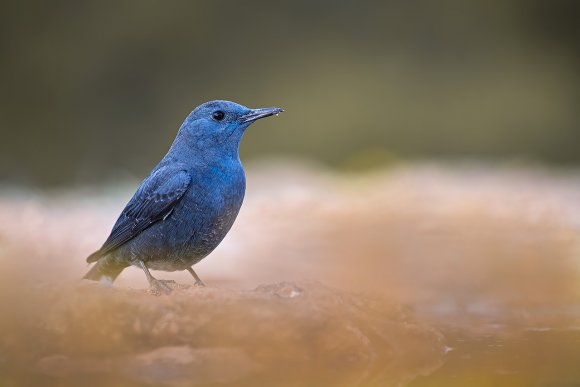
pixel 153 201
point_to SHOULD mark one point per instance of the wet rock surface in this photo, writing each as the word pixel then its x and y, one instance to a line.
pixel 300 333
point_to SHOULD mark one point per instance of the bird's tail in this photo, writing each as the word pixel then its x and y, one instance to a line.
pixel 94 256
pixel 106 268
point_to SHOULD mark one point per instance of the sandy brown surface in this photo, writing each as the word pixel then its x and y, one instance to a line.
pixel 419 250
pixel 281 334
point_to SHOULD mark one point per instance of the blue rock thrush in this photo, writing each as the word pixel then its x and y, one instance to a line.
pixel 188 203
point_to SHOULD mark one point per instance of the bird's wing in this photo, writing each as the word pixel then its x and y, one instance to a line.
pixel 153 201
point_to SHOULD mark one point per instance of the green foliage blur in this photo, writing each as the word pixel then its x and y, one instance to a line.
pixel 95 90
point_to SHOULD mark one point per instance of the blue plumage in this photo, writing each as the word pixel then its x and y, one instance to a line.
pixel 188 203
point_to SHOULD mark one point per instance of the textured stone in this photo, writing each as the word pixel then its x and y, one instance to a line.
pixel 278 334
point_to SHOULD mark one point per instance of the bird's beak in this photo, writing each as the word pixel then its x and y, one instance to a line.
pixel 256 114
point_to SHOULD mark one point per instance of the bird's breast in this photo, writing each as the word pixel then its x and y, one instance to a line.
pixel 211 207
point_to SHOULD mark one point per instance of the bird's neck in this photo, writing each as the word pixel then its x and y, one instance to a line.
pixel 190 152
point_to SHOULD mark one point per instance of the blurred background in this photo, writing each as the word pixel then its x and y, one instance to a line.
pixel 96 90
pixel 428 156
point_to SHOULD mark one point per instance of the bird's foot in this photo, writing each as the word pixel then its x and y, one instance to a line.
pixel 159 287
pixel 198 281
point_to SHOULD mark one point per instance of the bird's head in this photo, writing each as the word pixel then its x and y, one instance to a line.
pixel 216 124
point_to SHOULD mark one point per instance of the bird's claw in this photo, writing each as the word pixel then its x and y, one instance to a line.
pixel 159 287
pixel 200 284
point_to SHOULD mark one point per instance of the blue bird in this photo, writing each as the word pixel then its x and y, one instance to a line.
pixel 189 201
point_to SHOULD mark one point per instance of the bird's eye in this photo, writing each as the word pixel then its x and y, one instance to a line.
pixel 218 115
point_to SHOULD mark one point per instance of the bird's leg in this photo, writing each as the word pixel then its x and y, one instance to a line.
pixel 198 281
pixel 157 286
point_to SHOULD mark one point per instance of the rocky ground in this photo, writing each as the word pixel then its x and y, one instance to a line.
pixel 281 334
pixel 325 279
